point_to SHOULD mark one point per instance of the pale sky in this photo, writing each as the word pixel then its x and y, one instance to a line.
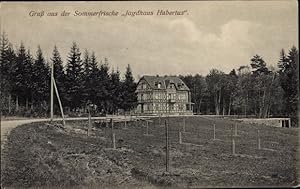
pixel 217 34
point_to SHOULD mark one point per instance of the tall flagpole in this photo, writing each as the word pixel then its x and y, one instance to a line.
pixel 51 95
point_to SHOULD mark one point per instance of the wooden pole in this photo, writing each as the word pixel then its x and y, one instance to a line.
pixel 112 125
pixel 59 102
pixel 233 142
pixel 183 124
pixel 258 138
pixel 167 146
pixel 180 137
pixel 89 122
pixel 106 126
pixel 147 129
pixel 214 131
pixel 235 132
pixel 114 140
pixel 125 122
pixel 113 134
pixel 51 92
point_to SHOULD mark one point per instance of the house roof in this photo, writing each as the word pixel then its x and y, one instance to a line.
pixel 165 81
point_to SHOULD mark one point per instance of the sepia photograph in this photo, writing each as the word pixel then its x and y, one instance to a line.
pixel 149 94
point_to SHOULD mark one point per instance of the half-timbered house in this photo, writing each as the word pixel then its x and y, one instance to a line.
pixel 163 95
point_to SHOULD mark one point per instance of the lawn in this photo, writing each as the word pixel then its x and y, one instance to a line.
pixel 48 155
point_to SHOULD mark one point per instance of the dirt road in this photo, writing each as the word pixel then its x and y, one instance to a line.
pixel 7 126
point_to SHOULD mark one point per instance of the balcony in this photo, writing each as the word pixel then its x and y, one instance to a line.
pixel 172 101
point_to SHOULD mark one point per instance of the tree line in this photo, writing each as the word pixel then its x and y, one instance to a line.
pixel 83 81
pixel 251 90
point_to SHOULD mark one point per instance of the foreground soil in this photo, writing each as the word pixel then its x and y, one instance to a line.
pixel 49 155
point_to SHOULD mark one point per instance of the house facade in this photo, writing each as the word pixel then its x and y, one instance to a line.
pixel 163 95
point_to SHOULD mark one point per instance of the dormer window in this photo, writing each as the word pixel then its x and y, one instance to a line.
pixel 159 85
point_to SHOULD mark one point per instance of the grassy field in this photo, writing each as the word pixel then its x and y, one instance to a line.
pixel 41 154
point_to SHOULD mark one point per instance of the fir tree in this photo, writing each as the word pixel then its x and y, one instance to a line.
pixel 129 96
pixel 289 79
pixel 103 85
pixel 21 76
pixel 115 91
pixel 40 78
pixel 74 78
pixel 5 67
pixel 94 78
pixel 258 65
pixel 59 76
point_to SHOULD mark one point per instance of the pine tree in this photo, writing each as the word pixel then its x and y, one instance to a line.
pixel 129 96
pixel 59 73
pixel 94 79
pixel 74 78
pixel 258 65
pixel 5 65
pixel 87 80
pixel 40 79
pixel 59 76
pixel 103 85
pixel 289 79
pixel 21 77
pixel 11 57
pixel 115 91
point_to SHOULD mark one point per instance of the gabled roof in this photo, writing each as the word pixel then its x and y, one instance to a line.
pixel 165 81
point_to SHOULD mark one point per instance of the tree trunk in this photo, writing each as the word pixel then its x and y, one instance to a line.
pixel 223 106
pixel 268 100
pixel 229 105
pixel 17 103
pixel 26 106
pixel 246 104
pixel 9 103
pixel 261 110
pixel 199 106
pixel 216 104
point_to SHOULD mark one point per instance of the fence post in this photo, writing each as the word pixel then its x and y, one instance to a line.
pixel 233 141
pixel 214 131
pixel 258 138
pixel 112 124
pixel 147 129
pixel 183 124
pixel 167 146
pixel 112 133
pixel 89 125
pixel 106 126
pixel 180 138
pixel 114 140
pixel 235 133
